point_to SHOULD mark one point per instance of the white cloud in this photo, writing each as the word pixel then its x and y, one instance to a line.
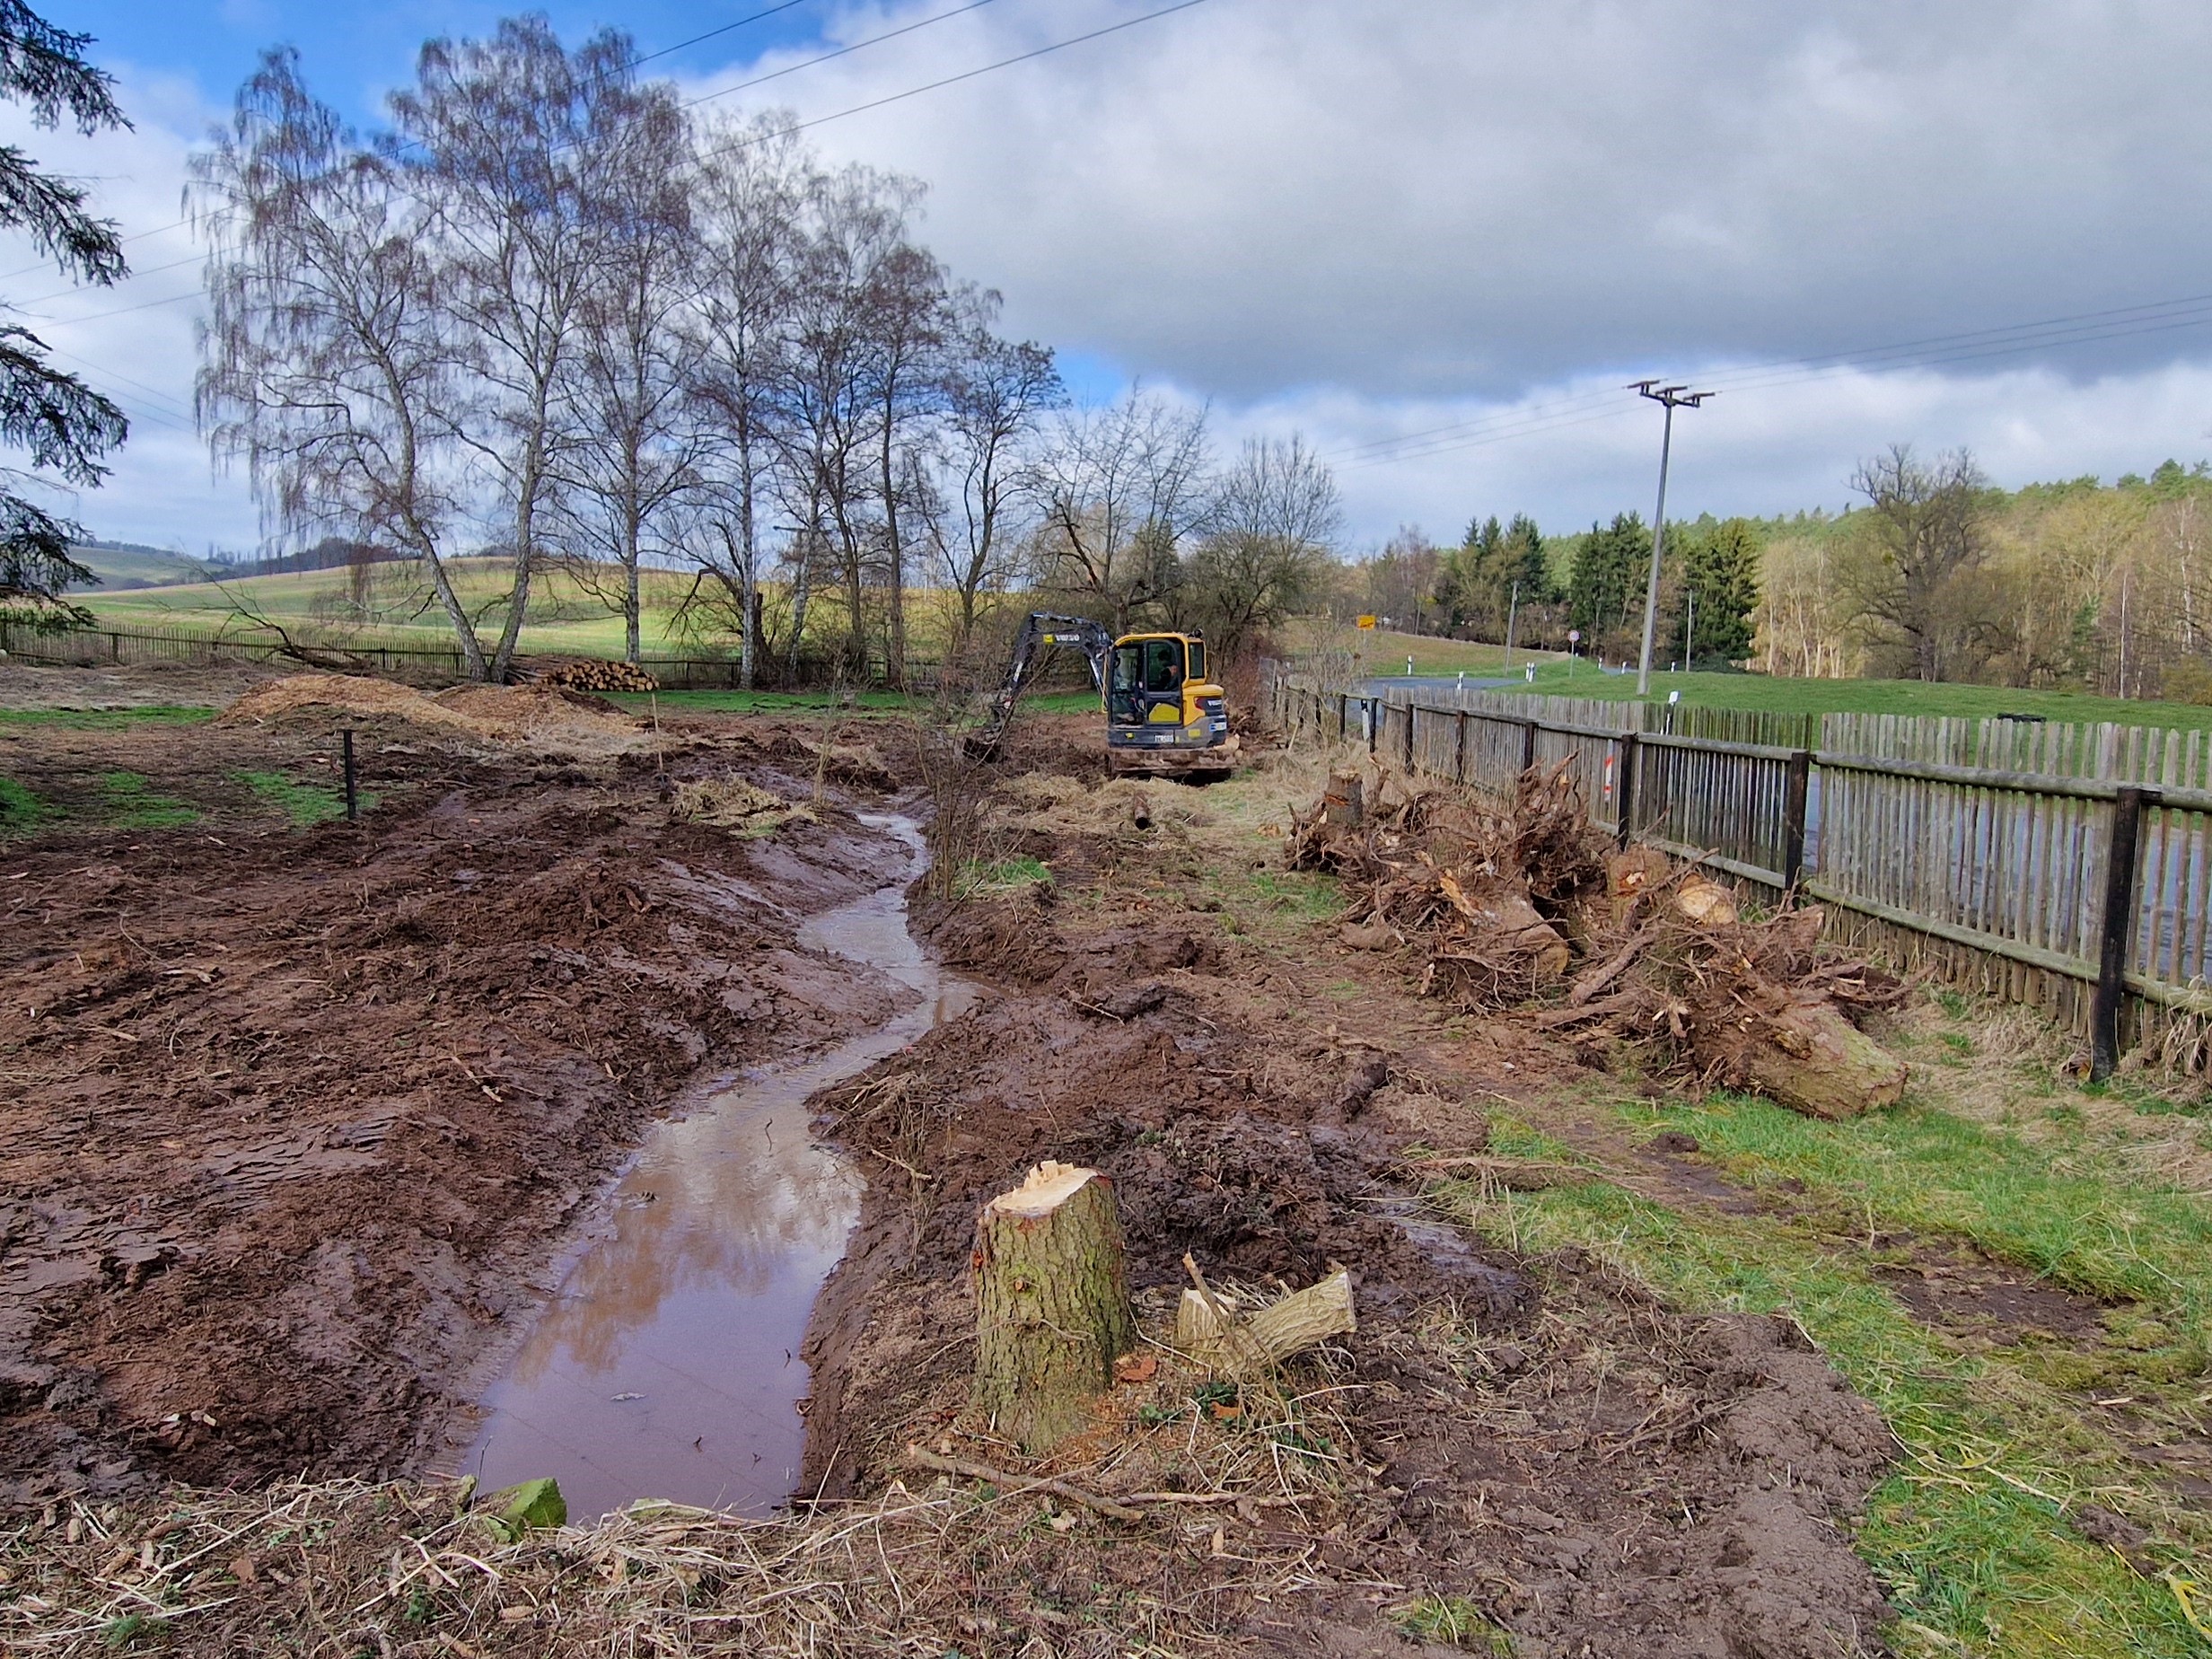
pixel 137 346
pixel 1366 221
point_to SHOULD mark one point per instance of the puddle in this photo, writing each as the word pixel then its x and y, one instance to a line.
pixel 667 1365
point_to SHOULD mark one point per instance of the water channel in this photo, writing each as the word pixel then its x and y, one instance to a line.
pixel 667 1364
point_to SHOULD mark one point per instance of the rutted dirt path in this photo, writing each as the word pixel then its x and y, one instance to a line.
pixel 1528 1439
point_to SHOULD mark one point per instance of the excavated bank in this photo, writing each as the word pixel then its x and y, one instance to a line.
pixel 297 1122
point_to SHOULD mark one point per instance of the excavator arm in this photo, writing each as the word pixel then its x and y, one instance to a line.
pixel 1042 632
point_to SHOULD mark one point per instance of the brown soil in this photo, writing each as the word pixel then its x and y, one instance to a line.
pixel 295 1122
pixel 1967 1294
pixel 1596 1475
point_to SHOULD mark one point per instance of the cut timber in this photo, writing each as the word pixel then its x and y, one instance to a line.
pixel 1501 912
pixel 1052 1304
pixel 1270 1335
pixel 1704 902
pixel 1797 1048
pixel 1628 873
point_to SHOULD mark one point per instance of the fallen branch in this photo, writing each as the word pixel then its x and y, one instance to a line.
pixel 1598 978
pixel 1015 1483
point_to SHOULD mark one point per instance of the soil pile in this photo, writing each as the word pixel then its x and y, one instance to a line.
pixel 297 1121
pixel 1527 904
pixel 542 717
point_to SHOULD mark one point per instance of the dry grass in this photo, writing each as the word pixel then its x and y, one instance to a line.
pixel 1232 1482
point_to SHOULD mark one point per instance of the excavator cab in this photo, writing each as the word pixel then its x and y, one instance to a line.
pixel 1163 713
pixel 1158 697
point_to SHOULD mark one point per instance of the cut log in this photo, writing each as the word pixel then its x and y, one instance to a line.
pixel 1255 1341
pixel 1796 1047
pixel 1704 902
pixel 1628 873
pixel 1052 1303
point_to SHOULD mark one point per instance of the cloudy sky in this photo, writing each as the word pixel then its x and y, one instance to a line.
pixel 1435 236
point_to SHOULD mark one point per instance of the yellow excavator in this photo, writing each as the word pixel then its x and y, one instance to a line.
pixel 1164 716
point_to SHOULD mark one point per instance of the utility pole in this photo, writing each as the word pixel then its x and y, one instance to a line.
pixel 1670 397
pixel 1513 608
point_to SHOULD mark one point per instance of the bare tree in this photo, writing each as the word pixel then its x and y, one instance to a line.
pixel 1926 543
pixel 908 314
pixel 1123 485
pixel 509 143
pixel 637 446
pixel 1271 531
pixel 754 182
pixel 325 359
pixel 995 393
pixel 830 379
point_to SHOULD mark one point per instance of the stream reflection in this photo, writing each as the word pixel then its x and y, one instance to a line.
pixel 668 1366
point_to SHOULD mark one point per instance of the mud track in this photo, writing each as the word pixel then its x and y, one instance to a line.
pixel 1597 1475
pixel 294 1123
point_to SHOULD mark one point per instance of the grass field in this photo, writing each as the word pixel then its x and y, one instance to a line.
pixel 566 617
pixel 1869 697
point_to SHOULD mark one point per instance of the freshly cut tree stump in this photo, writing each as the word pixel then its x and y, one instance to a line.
pixel 1344 802
pixel 1052 1303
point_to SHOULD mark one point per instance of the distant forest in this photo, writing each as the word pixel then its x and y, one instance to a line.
pixel 1933 575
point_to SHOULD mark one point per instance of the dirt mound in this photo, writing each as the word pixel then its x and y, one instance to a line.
pixel 541 717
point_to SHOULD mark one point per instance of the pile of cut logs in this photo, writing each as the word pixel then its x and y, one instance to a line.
pixel 589 674
pixel 1528 908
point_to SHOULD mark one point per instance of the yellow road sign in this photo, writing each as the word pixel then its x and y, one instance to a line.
pixel 1366 621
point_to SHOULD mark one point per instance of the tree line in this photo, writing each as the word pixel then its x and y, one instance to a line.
pixel 1939 577
pixel 1583 591
pixel 551 316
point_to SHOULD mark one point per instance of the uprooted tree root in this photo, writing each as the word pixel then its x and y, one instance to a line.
pixel 1526 905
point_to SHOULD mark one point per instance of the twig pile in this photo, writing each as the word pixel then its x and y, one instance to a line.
pixel 1529 904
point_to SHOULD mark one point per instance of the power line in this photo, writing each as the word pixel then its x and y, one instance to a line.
pixel 2154 317
pixel 842 51
pixel 645 58
pixel 953 79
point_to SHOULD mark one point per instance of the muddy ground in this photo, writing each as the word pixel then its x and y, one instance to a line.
pixel 1528 1437
pixel 297 1121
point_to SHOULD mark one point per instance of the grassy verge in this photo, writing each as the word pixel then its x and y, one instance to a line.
pixel 2003 1437
pixel 303 803
pixel 1582 678
pixel 131 804
pixel 106 719
pixel 20 811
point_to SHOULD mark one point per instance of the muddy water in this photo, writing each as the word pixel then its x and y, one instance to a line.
pixel 667 1365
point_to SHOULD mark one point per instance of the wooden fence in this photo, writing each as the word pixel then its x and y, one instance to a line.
pixel 2074 876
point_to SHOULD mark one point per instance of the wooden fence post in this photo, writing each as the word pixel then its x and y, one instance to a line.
pixel 1528 745
pixel 1459 755
pixel 1408 734
pixel 2120 864
pixel 1625 793
pixel 1798 781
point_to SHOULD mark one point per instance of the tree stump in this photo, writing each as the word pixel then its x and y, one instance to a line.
pixel 1344 802
pixel 1052 1303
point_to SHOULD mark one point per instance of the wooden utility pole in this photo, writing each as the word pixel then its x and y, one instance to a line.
pixel 1052 1303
